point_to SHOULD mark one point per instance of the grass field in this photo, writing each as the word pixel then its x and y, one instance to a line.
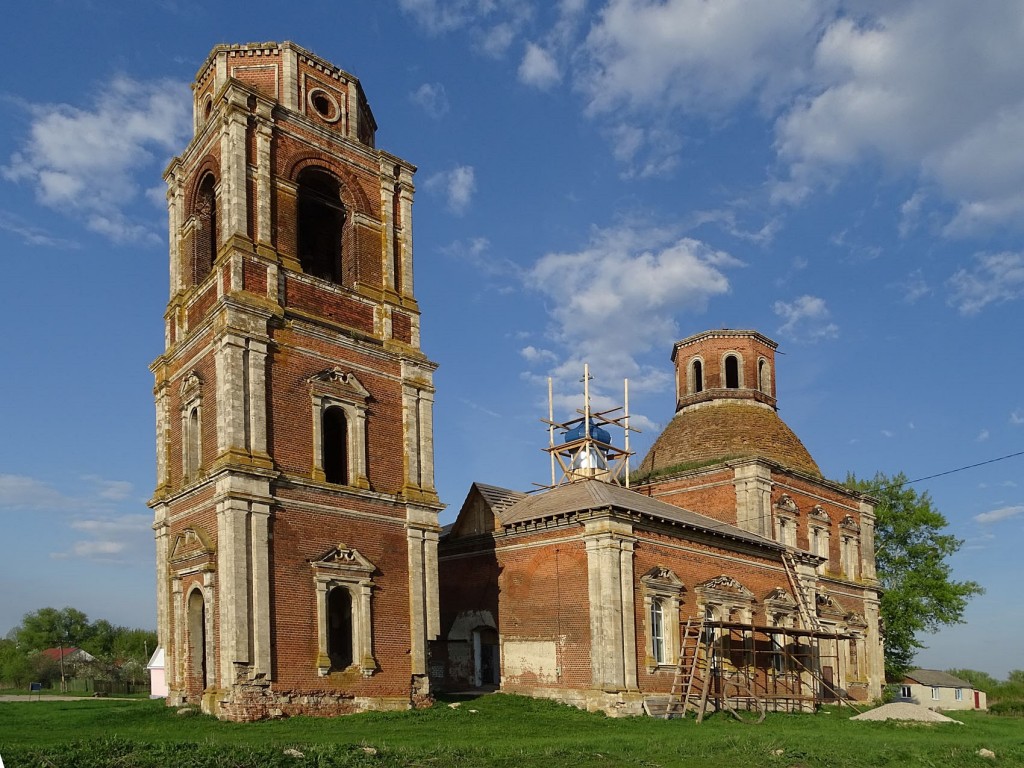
pixel 497 730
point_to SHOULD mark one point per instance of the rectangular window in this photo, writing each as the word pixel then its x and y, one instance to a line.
pixel 657 632
pixel 935 694
pixel 905 692
pixel 959 694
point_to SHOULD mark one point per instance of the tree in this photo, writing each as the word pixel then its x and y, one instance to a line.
pixel 911 553
pixel 49 627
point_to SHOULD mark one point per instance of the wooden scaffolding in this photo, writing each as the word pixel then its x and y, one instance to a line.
pixel 749 670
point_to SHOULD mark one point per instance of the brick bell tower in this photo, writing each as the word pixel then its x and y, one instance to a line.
pixel 296 519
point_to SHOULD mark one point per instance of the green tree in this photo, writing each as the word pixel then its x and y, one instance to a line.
pixel 983 681
pixel 911 553
pixel 49 627
pixel 15 666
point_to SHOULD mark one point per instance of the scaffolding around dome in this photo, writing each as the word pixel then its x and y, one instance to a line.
pixel 586 451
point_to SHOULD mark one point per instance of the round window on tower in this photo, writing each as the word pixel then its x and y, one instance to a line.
pixel 324 105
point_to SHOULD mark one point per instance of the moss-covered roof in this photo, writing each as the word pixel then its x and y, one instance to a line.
pixel 722 430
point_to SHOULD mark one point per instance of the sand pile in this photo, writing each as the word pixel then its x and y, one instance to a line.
pixel 903 710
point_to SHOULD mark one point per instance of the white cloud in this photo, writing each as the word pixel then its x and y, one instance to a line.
pixel 85 161
pixel 457 185
pixel 997 515
pixel 432 98
pixel 32 235
pixel 21 493
pixel 110 490
pixel 901 87
pixel 1017 417
pixel 619 297
pixel 806 318
pixel 995 278
pixel 539 68
pixel 915 287
pixel 533 354
pixel 695 55
pixel 887 433
pixel 982 436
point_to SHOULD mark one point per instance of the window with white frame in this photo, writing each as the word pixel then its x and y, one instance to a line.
pixel 663 596
pixel 959 694
pixel 658 631
pixel 905 692
pixel 935 694
pixel 344 587
pixel 191 427
pixel 339 404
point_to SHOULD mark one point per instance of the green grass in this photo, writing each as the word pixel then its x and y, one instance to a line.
pixel 503 731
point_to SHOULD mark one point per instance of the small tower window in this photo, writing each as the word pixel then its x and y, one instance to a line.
pixel 320 224
pixel 204 242
pixel 732 372
pixel 764 377
pixel 335 445
pixel 339 628
pixel 698 376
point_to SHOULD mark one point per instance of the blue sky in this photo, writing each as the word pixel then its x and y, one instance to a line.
pixel 596 180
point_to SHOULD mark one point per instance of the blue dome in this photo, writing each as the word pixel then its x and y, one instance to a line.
pixel 596 432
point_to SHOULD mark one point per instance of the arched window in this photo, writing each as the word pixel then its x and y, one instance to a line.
pixel 339 628
pixel 204 241
pixel 320 223
pixel 197 639
pixel 658 631
pixel 732 372
pixel 764 378
pixel 698 376
pixel 335 445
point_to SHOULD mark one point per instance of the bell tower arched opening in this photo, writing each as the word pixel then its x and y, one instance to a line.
pixel 321 222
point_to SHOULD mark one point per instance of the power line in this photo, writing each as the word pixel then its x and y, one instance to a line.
pixel 961 469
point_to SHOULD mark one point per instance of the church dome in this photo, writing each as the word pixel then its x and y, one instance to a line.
pixel 726 429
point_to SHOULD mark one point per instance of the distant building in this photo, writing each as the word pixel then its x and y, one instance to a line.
pixel 70 654
pixel 157 674
pixel 730 552
pixel 940 690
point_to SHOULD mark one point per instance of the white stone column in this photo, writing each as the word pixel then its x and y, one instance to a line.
pixel 257 396
pixel 174 655
pixel 233 570
pixel 232 198
pixel 290 79
pixel 410 417
pixel 628 614
pixel 163 426
pixel 406 191
pixel 417 604
pixel 259 536
pixel 867 540
pixel 175 219
pixel 264 136
pixel 426 441
pixel 387 209
pixel 753 498
pixel 230 393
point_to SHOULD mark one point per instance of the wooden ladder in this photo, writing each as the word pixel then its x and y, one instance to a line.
pixel 691 680
pixel 808 612
pixel 809 616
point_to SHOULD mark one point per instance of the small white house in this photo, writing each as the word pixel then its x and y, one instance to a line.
pixel 157 675
pixel 939 690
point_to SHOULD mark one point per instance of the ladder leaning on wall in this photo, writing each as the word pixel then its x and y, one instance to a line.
pixel 692 677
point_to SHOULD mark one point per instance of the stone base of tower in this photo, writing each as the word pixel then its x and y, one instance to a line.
pixel 260 701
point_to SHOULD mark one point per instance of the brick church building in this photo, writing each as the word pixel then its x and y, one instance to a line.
pixel 583 592
pixel 296 518
pixel 300 564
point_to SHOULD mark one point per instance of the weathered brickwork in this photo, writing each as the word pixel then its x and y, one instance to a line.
pixel 295 509
pixel 569 579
